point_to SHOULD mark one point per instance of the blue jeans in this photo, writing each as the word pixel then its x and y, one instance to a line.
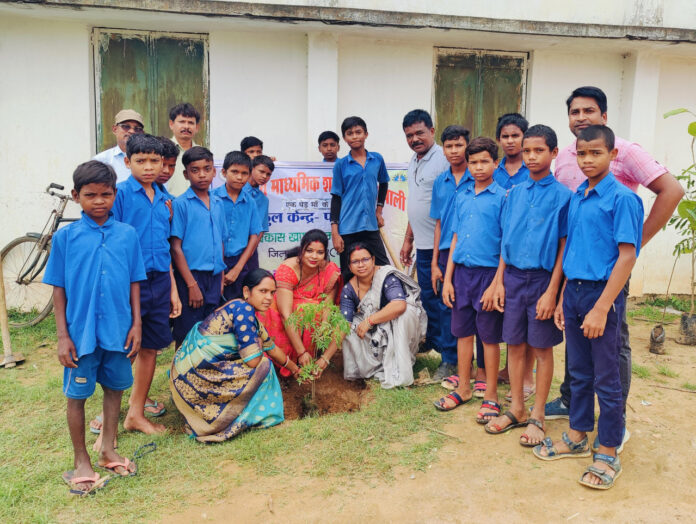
pixel 439 334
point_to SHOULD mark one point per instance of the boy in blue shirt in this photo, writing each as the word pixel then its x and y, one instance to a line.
pixel 605 222
pixel 534 230
pixel 329 146
pixel 471 274
pixel 508 133
pixel 196 239
pixel 356 201
pixel 94 268
pixel 243 224
pixel 140 203
pixel 170 152
pixel 262 167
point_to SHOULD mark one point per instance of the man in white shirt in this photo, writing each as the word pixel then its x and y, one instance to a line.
pixel 184 121
pixel 126 123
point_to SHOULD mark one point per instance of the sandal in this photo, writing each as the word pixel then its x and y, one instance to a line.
pixel 536 423
pixel 111 467
pixel 479 388
pixel 577 449
pixel 492 406
pixel 94 430
pixel 97 481
pixel 527 391
pixel 497 430
pixel 451 382
pixel 154 404
pixel 454 397
pixel 607 480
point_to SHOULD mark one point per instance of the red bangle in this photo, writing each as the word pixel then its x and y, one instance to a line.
pixel 369 321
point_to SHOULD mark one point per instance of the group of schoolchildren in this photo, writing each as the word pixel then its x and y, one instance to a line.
pixel 505 242
pixel 524 261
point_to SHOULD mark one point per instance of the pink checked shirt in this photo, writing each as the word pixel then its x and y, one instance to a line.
pixel 633 166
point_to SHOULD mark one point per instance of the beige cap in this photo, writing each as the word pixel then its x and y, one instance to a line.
pixel 128 114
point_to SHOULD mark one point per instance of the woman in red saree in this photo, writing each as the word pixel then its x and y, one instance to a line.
pixel 306 276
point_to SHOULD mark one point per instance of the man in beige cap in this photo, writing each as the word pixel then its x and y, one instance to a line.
pixel 126 123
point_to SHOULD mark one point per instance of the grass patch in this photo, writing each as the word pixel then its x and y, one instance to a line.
pixel 667 372
pixel 650 313
pixel 689 386
pixel 681 304
pixel 390 432
pixel 640 371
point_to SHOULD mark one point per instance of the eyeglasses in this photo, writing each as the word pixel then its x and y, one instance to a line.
pixel 128 127
pixel 360 261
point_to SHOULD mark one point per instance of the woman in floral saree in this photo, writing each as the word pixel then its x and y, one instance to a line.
pixel 222 379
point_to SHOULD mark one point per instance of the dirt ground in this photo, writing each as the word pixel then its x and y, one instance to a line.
pixel 492 478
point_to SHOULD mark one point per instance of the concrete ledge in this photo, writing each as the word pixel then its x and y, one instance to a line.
pixel 374 18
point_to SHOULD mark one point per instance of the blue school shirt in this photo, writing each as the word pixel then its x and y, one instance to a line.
pixel 261 202
pixel 504 180
pixel 150 220
pixel 241 217
pixel 357 187
pixel 445 191
pixel 535 218
pixel 610 214
pixel 477 225
pixel 201 231
pixel 96 266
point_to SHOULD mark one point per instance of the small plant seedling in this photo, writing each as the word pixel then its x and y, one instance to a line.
pixel 689 386
pixel 640 371
pixel 667 372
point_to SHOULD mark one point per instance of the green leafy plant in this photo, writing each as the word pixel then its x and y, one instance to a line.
pixel 684 221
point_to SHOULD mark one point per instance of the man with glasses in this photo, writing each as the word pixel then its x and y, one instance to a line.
pixel 126 123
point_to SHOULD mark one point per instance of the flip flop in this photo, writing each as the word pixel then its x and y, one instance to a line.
pixel 479 388
pixel 526 391
pixel 454 397
pixel 154 405
pixel 495 429
pixel 487 404
pixel 111 467
pixel 98 482
pixel 451 382
pixel 536 423
pixel 96 431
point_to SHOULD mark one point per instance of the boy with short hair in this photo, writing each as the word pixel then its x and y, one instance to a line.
pixel 605 218
pixel 94 268
pixel 170 154
pixel 534 227
pixel 262 168
pixel 243 223
pixel 329 145
pixel 251 146
pixel 141 204
pixel 196 238
pixel 471 275
pixel 357 201
pixel 508 133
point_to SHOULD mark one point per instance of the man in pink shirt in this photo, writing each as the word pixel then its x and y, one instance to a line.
pixel 633 166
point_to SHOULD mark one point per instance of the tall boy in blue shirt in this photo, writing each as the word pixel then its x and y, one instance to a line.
pixel 356 201
pixel 196 238
pixel 262 168
pixel 243 223
pixel 534 230
pixel 471 274
pixel 605 221
pixel 94 268
pixel 508 133
pixel 140 203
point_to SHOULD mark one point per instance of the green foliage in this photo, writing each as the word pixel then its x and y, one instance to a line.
pixel 689 386
pixel 672 301
pixel 667 372
pixel 650 313
pixel 640 371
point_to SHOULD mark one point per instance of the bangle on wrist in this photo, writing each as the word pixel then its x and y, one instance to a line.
pixel 369 321
pixel 322 358
pixel 287 359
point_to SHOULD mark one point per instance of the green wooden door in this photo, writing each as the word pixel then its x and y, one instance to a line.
pixel 473 88
pixel 149 72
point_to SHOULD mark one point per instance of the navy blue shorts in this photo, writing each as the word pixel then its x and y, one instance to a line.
pixel 234 290
pixel 155 293
pixel 209 284
pixel 468 317
pixel 520 325
pixel 112 369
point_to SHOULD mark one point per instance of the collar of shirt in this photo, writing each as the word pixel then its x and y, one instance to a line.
pixel 191 195
pixel 466 177
pixel 492 187
pixel 548 179
pixel 242 197
pixel 601 188
pixel 135 186
pixel 367 157
pixel 428 154
pixel 91 223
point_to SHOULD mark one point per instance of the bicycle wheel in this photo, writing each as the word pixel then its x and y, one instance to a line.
pixel 28 299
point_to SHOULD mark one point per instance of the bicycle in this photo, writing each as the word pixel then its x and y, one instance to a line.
pixel 24 259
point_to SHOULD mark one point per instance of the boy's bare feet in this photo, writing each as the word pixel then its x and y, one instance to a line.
pixel 111 456
pixel 97 443
pixel 82 469
pixel 140 423
pixel 96 422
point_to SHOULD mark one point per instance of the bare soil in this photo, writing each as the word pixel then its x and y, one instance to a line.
pixel 491 478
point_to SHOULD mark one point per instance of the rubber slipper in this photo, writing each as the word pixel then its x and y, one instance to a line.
pixel 111 467
pixel 98 482
pixel 479 388
pixel 526 391
pixel 451 382
pixel 487 404
pixel 454 397
pixel 154 405
pixel 96 431
pixel 536 423
pixel 495 429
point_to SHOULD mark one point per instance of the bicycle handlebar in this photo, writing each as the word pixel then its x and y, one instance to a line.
pixel 55 186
